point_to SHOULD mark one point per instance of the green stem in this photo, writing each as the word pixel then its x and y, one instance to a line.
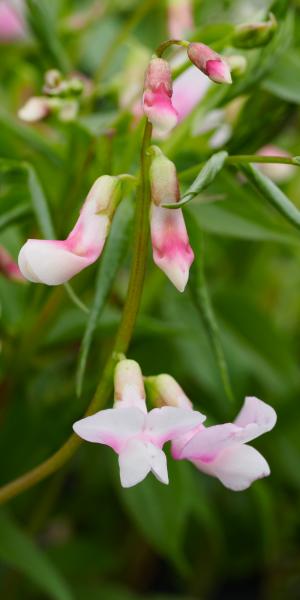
pixel 165 45
pixel 131 308
pixel 243 158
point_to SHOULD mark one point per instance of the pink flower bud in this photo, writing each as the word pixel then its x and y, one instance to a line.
pixel 55 261
pixel 157 99
pixel 172 252
pixel 8 267
pixel 180 18
pixel 11 23
pixel 209 62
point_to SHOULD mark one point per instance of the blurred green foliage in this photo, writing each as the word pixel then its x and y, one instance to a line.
pixel 79 535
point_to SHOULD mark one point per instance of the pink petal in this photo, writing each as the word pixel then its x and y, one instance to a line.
pixel 168 422
pixel 180 18
pixel 256 417
pixel 236 467
pixel 11 25
pixel 111 427
pixel 188 89
pixel 137 459
pixel 172 252
pixel 208 442
pixel 160 111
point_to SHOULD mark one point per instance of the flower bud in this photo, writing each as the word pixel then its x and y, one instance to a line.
pixel 254 35
pixel 237 64
pixel 209 62
pixel 164 390
pixel 279 173
pixel 54 262
pixel 157 103
pixel 172 252
pixel 35 109
pixel 129 385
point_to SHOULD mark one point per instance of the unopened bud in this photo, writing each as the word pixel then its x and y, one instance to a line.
pixel 129 385
pixel 163 390
pixel 209 62
pixel 157 101
pixel 254 35
pixel 237 64
pixel 35 109
pixel 163 179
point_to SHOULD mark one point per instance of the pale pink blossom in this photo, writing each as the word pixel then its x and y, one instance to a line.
pixel 209 62
pixel 134 434
pixel 38 108
pixel 188 89
pixel 157 98
pixel 8 267
pixel 180 18
pixel 222 450
pixel 278 172
pixel 11 22
pixel 172 252
pixel 55 261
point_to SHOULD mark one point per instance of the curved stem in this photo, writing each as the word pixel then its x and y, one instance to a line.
pixel 131 308
pixel 165 45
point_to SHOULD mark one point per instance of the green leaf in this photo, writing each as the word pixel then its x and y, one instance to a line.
pixel 206 176
pixel 37 195
pixel 113 254
pixel 19 552
pixel 284 79
pixel 273 194
pixel 41 21
pixel 202 301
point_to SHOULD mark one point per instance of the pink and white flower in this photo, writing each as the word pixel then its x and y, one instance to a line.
pixel 11 22
pixel 135 435
pixel 222 450
pixel 277 172
pixel 188 89
pixel 55 261
pixel 209 62
pixel 8 267
pixel 180 18
pixel 172 252
pixel 157 98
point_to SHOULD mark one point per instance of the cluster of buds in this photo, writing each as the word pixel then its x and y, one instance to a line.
pixel 55 261
pixel 61 98
pixel 158 89
pixel 138 436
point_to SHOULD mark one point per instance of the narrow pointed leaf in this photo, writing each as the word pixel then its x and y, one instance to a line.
pixel 271 192
pixel 113 254
pixel 206 176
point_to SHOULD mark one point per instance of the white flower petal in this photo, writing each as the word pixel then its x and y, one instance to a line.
pixel 256 417
pixel 236 467
pixel 111 427
pixel 168 422
pixel 134 463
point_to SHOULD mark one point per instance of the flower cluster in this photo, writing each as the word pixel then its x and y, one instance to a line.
pixel 138 436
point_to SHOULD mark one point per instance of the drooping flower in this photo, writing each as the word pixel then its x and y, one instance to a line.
pixel 11 22
pixel 209 62
pixel 222 450
pixel 180 18
pixel 172 252
pixel 8 267
pixel 219 450
pixel 55 261
pixel 157 98
pixel 135 435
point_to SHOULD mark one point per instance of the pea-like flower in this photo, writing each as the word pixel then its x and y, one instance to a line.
pixel 134 434
pixel 157 98
pixel 8 267
pixel 180 18
pixel 220 450
pixel 172 252
pixel 55 261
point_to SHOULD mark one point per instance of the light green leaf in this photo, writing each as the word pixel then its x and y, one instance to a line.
pixel 206 176
pixel 273 194
pixel 19 552
pixel 284 79
pixel 111 259
pixel 14 215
